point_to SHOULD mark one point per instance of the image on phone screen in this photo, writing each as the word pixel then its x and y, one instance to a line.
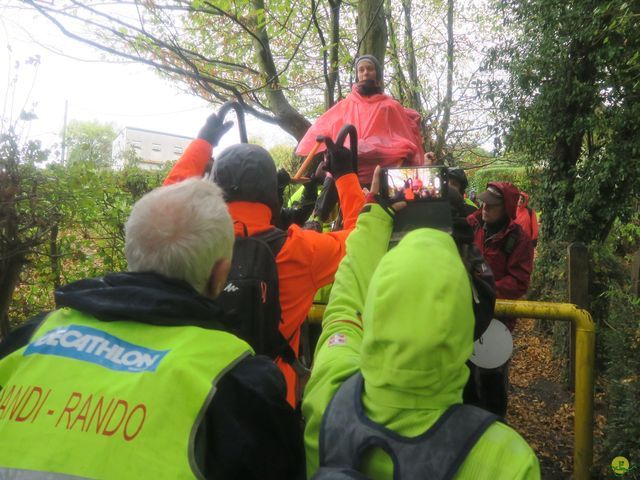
pixel 415 184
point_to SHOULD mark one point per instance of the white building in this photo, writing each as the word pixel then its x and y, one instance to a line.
pixel 153 148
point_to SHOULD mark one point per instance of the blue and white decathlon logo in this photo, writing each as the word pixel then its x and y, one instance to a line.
pixel 95 346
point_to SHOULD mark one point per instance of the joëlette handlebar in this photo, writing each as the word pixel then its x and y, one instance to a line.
pixel 242 126
pixel 350 130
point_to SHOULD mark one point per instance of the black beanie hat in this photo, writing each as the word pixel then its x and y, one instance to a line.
pixel 247 173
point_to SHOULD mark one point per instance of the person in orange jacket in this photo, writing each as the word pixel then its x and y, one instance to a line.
pixel 526 217
pixel 308 260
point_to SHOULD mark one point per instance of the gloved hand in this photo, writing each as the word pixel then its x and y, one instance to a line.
pixel 338 159
pixel 319 175
pixel 214 129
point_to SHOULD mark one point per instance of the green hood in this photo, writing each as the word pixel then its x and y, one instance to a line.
pixel 418 325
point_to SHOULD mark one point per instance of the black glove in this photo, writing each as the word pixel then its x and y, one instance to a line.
pixel 317 177
pixel 214 129
pixel 338 159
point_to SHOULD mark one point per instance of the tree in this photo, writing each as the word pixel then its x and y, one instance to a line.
pixel 90 142
pixel 372 29
pixel 281 59
pixel 221 50
pixel 570 103
pixel 436 50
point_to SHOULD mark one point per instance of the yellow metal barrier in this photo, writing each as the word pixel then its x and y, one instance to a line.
pixel 584 361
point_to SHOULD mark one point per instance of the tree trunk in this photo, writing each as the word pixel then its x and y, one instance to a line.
pixel 446 115
pixel 399 88
pixel 410 54
pixel 288 118
pixel 580 71
pixel 335 43
pixel 372 29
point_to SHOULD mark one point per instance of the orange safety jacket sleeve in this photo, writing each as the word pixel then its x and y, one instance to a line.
pixel 192 163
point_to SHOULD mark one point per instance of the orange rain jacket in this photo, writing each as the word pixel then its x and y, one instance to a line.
pixel 307 261
pixel 526 217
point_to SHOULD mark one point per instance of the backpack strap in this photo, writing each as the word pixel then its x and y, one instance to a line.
pixel 530 210
pixel 275 240
pixel 509 244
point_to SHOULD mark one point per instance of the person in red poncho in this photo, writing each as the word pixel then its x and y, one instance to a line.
pixel 388 133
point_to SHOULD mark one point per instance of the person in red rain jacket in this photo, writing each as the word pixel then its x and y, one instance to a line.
pixel 308 260
pixel 504 244
pixel 526 217
pixel 509 252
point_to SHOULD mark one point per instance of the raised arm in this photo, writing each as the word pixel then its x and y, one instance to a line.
pixel 194 160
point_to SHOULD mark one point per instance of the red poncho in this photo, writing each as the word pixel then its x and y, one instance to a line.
pixel 388 133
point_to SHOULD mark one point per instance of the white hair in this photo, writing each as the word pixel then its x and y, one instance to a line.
pixel 180 231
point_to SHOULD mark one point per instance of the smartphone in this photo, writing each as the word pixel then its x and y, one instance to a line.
pixel 415 184
pixel 426 191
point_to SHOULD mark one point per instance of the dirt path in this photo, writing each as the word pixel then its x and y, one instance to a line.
pixel 540 407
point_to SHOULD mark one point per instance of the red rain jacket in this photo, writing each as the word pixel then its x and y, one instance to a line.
pixel 307 261
pixel 388 133
pixel 527 219
pixel 511 264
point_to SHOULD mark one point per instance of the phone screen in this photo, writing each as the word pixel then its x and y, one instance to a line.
pixel 415 184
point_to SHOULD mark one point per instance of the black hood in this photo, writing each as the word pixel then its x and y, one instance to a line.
pixel 247 173
pixel 141 297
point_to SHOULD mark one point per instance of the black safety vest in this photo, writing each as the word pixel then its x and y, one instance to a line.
pixel 347 433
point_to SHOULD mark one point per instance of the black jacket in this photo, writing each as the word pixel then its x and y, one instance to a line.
pixel 250 431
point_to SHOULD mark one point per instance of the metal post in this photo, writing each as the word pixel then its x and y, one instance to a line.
pixel 578 283
pixel 584 382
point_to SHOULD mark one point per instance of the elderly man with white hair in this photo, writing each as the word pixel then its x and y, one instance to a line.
pixel 134 374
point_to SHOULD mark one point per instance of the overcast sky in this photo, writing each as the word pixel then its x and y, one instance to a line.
pixel 122 94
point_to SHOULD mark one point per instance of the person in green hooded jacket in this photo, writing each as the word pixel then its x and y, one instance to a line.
pixel 403 323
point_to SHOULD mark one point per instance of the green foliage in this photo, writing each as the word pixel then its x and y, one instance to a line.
pixel 89 205
pixel 622 376
pixel 90 142
pixel 284 156
pixel 624 238
pixel 549 278
pixel 478 179
pixel 26 210
pixel 569 103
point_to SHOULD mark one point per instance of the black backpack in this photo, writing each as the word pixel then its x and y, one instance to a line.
pixel 251 296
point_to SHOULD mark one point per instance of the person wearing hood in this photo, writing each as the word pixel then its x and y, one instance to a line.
pixel 388 133
pixel 134 374
pixel 505 245
pixel 308 259
pixel 527 218
pixel 389 370
pixel 508 250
